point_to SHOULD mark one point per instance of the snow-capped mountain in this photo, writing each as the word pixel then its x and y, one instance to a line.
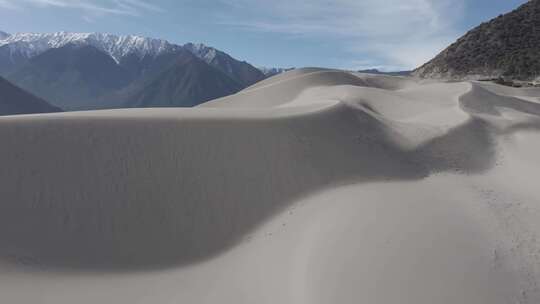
pixel 32 44
pixel 269 72
pixel 3 35
pixel 241 71
pixel 204 52
pixel 82 71
pixel 16 49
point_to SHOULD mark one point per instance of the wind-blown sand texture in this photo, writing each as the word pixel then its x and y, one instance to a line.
pixel 314 186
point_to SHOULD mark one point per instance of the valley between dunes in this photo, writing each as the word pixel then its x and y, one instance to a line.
pixel 313 186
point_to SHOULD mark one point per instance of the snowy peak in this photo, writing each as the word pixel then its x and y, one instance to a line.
pixel 241 71
pixel 3 35
pixel 32 44
pixel 204 52
pixel 269 72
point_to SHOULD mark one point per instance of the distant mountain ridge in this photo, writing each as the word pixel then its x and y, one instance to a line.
pixel 269 72
pixel 377 72
pixel 507 46
pixel 61 68
pixel 32 44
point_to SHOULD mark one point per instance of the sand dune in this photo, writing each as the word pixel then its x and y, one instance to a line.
pixel 314 186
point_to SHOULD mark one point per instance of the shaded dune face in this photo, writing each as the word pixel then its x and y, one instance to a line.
pixel 144 189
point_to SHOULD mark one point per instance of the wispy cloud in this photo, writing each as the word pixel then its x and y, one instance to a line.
pixel 401 33
pixel 8 4
pixel 94 8
pixel 140 5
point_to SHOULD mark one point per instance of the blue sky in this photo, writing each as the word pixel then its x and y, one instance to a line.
pixel 348 34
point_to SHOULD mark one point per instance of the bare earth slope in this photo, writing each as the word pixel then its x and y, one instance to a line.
pixel 314 186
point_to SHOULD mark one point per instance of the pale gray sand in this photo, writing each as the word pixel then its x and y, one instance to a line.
pixel 242 200
pixel 380 243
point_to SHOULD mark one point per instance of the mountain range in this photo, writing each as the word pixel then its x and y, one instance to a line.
pixel 507 46
pixel 377 72
pixel 269 72
pixel 81 71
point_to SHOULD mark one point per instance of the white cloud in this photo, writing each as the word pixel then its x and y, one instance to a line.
pixel 400 33
pixel 109 7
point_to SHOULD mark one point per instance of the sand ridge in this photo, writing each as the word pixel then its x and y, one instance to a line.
pixel 179 191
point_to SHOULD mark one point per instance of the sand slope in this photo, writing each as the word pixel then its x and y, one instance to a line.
pixel 314 186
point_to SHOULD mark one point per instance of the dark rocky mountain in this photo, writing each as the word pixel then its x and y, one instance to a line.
pixel 508 45
pixel 14 100
pixel 377 72
pixel 11 59
pixel 241 71
pixel 188 81
pixel 147 68
pixel 71 77
pixel 3 35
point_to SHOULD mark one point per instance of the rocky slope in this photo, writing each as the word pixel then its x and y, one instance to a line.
pixel 14 100
pixel 241 71
pixel 72 76
pixel 508 45
pixel 188 81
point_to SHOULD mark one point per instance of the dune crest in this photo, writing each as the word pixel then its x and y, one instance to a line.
pixel 122 190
